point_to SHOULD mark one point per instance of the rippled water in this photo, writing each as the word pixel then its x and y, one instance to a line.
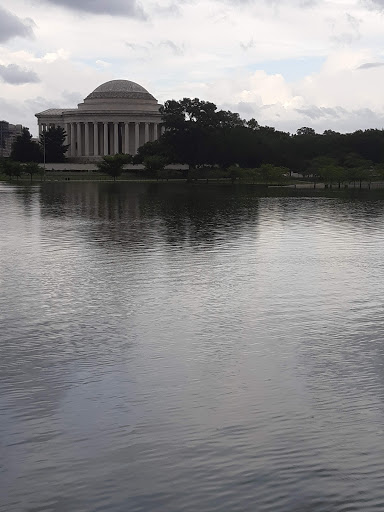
pixel 175 348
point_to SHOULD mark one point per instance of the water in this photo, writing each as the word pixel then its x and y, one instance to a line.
pixel 175 348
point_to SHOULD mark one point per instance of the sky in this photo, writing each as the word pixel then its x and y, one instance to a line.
pixel 286 63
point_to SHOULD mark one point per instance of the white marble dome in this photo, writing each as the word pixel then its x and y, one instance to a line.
pixel 119 116
pixel 120 89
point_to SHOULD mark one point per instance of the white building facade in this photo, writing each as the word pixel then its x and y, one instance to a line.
pixel 117 117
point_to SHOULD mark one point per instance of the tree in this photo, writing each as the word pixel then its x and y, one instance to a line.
pixel 272 173
pixel 32 168
pixel 155 165
pixel 195 131
pixel 331 173
pixel 358 169
pixel 24 149
pixel 253 124
pixel 306 131
pixel 52 144
pixel 113 165
pixel 11 168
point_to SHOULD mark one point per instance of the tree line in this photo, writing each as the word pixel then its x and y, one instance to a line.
pixel 200 135
pixel 216 142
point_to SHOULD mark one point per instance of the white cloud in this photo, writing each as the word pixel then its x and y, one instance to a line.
pixel 219 50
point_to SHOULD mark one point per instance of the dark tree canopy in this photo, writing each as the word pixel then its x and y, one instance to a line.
pixel 113 165
pixel 200 135
pixel 52 145
pixel 24 149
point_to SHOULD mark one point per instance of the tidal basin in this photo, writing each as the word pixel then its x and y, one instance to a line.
pixel 167 347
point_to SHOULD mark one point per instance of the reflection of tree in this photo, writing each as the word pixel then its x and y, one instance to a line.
pixel 138 215
pixel 134 214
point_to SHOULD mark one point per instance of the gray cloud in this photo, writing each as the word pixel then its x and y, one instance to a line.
pixel 12 26
pixel 314 112
pixel 177 50
pixel 71 98
pixel 15 75
pixel 250 44
pixel 130 8
pixel 350 35
pixel 369 65
pixel 305 4
pixel 374 4
pixel 148 48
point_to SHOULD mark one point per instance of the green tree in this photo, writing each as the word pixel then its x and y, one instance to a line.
pixel 24 149
pixel 113 165
pixel 52 144
pixel 32 168
pixel 270 173
pixel 11 168
pixel 332 173
pixel 155 165
pixel 196 131
pixel 358 169
pixel 305 131
pixel 253 124
pixel 317 166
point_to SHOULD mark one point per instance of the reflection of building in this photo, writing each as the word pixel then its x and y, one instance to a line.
pixel 8 134
pixel 117 117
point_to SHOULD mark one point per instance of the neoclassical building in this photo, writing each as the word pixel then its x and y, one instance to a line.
pixel 117 117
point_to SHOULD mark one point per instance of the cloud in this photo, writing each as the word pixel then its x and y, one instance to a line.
pixel 250 44
pixel 374 4
pixel 177 50
pixel 103 64
pixel 346 30
pixel 369 65
pixel 15 75
pixel 129 8
pixel 12 26
pixel 149 48
pixel 314 112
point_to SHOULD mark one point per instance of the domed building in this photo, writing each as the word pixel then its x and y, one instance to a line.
pixel 117 117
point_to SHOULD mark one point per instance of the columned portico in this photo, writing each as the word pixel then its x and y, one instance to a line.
pixel 105 139
pixel 86 139
pixel 95 139
pixel 116 138
pixel 78 139
pixel 126 138
pixel 137 137
pixel 117 117
pixel 72 147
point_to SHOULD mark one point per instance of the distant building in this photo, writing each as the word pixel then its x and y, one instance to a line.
pixel 8 134
pixel 117 117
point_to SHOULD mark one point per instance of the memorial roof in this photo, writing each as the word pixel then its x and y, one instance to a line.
pixel 120 89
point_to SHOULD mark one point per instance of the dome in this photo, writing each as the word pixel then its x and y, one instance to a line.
pixel 120 89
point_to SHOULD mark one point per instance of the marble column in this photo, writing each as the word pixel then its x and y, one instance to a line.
pixel 95 139
pixel 115 138
pixel 79 150
pixel 155 132
pixel 86 136
pixel 105 138
pixel 73 140
pixel 67 131
pixel 137 137
pixel 126 138
pixel 40 129
pixel 146 132
pixel 67 128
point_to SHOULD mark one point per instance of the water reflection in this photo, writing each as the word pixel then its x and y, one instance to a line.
pixel 172 347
